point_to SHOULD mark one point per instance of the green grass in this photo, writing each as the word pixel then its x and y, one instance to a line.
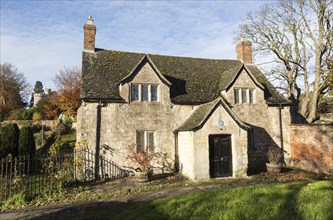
pixel 302 200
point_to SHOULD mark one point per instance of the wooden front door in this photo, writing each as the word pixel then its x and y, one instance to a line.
pixel 220 156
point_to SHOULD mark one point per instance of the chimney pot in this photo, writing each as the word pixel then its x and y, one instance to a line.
pixel 90 20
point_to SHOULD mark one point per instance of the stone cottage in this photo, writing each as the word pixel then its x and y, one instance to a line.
pixel 205 118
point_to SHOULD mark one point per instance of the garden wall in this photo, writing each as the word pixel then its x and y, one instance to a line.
pixel 52 124
pixel 312 147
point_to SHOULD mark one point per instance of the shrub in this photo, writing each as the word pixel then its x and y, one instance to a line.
pixel 37 116
pixel 63 128
pixel 274 155
pixel 141 159
pixel 21 114
pixel 9 140
pixel 27 144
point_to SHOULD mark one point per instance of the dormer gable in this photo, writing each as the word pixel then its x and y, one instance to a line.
pixel 229 77
pixel 145 83
pixel 145 72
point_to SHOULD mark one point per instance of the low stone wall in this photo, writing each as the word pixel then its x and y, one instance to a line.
pixel 312 147
pixel 52 124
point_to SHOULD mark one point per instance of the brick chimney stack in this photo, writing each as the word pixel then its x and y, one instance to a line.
pixel 244 51
pixel 89 36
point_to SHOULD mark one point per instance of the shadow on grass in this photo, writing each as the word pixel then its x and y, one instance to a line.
pixel 98 210
pixel 250 202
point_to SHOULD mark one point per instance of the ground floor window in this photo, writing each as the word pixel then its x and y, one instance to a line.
pixel 145 140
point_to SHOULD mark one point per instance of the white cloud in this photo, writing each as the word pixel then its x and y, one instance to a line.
pixel 41 37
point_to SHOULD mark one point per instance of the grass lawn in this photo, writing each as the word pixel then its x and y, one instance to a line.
pixel 301 200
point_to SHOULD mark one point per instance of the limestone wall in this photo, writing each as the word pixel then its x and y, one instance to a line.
pixel 264 119
pixel 120 121
pixel 239 144
pixel 186 153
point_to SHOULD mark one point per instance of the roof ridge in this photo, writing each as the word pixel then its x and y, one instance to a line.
pixel 172 56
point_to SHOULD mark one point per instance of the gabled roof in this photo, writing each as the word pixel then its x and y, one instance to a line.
pixel 272 96
pixel 229 77
pixel 193 80
pixel 143 61
pixel 199 117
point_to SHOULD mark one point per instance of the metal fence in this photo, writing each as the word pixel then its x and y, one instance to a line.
pixel 34 176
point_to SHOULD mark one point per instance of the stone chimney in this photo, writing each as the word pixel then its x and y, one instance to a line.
pixel 244 51
pixel 89 36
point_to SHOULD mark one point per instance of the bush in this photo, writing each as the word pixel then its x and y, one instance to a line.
pixel 62 144
pixel 63 128
pixel 9 140
pixel 26 144
pixel 37 116
pixel 21 114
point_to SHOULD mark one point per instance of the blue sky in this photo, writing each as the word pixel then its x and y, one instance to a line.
pixel 41 37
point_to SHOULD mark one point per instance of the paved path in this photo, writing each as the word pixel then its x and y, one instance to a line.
pixel 68 211
pixel 87 210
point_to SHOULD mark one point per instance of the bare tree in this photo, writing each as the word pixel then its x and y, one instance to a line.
pixel 68 83
pixel 68 78
pixel 299 34
pixel 13 89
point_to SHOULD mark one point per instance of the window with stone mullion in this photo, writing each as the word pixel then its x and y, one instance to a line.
pixel 144 93
pixel 134 92
pixel 145 140
pixel 244 96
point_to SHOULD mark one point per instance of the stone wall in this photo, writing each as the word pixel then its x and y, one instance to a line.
pixel 52 124
pixel 265 121
pixel 238 143
pixel 120 121
pixel 312 147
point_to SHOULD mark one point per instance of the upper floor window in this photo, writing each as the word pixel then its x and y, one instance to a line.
pixel 145 141
pixel 244 95
pixel 134 92
pixel 144 92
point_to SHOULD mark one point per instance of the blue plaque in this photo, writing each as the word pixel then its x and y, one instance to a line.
pixel 221 123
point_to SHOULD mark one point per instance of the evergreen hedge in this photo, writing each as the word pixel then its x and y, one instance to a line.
pixel 26 144
pixel 9 140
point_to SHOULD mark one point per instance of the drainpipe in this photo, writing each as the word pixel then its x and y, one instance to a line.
pixel 98 139
pixel 281 131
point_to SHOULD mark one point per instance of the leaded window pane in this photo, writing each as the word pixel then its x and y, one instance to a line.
pixel 153 92
pixel 150 140
pixel 140 141
pixel 244 95
pixel 236 95
pixel 251 94
pixel 144 93
pixel 134 92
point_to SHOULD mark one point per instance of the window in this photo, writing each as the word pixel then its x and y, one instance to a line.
pixel 145 140
pixel 134 92
pixel 251 95
pixel 244 95
pixel 144 92
pixel 250 138
pixel 236 95
pixel 153 92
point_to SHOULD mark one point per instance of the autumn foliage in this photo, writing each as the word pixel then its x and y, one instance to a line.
pixel 68 82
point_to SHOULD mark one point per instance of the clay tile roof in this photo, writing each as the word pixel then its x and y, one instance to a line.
pixel 193 80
